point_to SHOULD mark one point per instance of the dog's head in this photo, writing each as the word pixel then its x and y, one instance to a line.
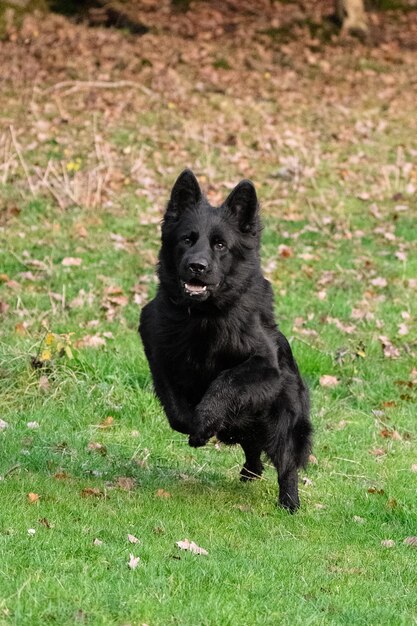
pixel 209 253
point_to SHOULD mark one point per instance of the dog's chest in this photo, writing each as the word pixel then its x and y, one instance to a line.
pixel 200 351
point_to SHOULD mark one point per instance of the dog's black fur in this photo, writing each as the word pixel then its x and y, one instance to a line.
pixel 219 364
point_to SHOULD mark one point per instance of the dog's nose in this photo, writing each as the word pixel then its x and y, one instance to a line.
pixel 198 267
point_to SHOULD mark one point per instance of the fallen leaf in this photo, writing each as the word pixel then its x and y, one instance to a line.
pixel 312 459
pixel 377 452
pixel 132 539
pixel 4 307
pixel 94 492
pixel 70 261
pixel 379 282
pixel 33 497
pixel 161 493
pixel 108 422
pixel 387 433
pixel 90 341
pixel 388 543
pixel 97 542
pixel 414 467
pixel 403 329
pixel 31 532
pixel 32 425
pixel 374 490
pixel 45 522
pixel 410 541
pixel 390 351
pixel 94 446
pixel 21 329
pixel 3 424
pixel 61 476
pixel 329 381
pixel 285 251
pixel 133 561
pixel 358 519
pixel 191 547
pixel 126 483
pixel 43 383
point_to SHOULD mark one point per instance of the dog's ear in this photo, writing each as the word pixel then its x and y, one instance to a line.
pixel 185 194
pixel 243 203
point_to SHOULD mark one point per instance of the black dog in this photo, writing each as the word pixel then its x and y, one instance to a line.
pixel 219 364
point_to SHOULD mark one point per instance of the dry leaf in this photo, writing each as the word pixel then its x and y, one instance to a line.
pixel 108 422
pixel 414 467
pixel 285 251
pixel 90 341
pixel 390 351
pixel 358 519
pixel 61 476
pixel 3 425
pixel 126 483
pixel 329 381
pixel 94 446
pixel 45 522
pixel 132 539
pixel 379 282
pixel 33 497
pixel 133 561
pixel 32 425
pixel 411 541
pixel 31 532
pixel 97 542
pixel 390 434
pixel 94 492
pixel 191 547
pixel 43 383
pixel 70 261
pixel 377 452
pixel 161 493
pixel 388 543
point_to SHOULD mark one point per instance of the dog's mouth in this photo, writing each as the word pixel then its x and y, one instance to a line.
pixel 194 288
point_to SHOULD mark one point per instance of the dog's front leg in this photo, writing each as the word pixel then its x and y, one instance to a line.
pixel 248 386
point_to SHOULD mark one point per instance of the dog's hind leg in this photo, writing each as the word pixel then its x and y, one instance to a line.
pixel 253 466
pixel 280 449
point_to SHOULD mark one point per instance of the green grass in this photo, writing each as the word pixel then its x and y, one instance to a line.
pixel 264 566
pixel 347 228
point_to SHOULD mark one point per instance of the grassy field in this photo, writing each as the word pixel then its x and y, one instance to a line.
pixel 87 457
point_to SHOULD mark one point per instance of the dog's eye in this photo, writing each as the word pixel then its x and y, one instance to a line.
pixel 219 245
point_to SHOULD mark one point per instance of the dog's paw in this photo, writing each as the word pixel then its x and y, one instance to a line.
pixel 197 441
pixel 252 473
pixel 290 504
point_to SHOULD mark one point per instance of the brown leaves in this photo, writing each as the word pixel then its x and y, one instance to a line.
pixel 113 300
pixel 91 341
pixel 191 547
pixel 133 561
pixel 33 497
pixel 390 351
pixel 389 433
pixel 410 541
pixel 108 422
pixel 125 483
pixel 92 492
pixel 70 261
pixel 94 446
pixel 329 381
pixel 161 493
